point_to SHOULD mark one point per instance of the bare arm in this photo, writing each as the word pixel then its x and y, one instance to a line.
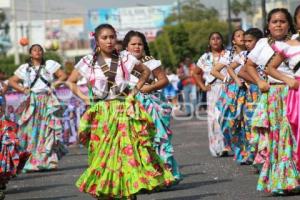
pixel 161 82
pixel 61 76
pixel 197 75
pixel 14 83
pixel 4 88
pixel 145 73
pixel 232 74
pixel 216 71
pixel 71 83
pixel 251 69
pixel 244 75
pixel 273 71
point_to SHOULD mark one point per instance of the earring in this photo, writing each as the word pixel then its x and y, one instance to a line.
pixel 98 49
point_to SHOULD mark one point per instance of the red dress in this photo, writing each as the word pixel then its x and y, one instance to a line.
pixel 11 158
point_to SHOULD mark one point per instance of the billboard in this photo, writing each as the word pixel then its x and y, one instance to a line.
pixel 69 33
pixel 72 33
pixel 4 3
pixel 147 19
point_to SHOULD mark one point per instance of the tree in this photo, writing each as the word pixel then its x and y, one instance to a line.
pixel 181 40
pixel 190 36
pixel 238 6
pixel 2 16
pixel 192 11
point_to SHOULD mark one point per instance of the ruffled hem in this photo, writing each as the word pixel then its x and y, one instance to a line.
pixel 231 105
pixel 38 118
pixel 129 185
pixel 279 173
pixel 161 114
pixel 122 161
pixel 279 178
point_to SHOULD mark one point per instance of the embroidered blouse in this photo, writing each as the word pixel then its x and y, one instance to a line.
pixel 28 74
pixel 262 53
pixel 97 79
pixel 207 61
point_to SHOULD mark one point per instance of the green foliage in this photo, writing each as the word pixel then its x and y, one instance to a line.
pixel 238 6
pixel 192 11
pixel 187 39
pixel 7 64
pixel 186 33
pixel 2 16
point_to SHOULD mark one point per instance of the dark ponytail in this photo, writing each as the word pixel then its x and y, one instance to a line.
pixel 131 34
pixel 29 60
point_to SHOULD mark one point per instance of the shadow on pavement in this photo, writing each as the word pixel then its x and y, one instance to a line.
pixel 51 198
pixel 33 188
pixel 186 186
pixel 73 167
pixel 31 176
pixel 193 197
pixel 190 165
pixel 192 174
pixel 77 154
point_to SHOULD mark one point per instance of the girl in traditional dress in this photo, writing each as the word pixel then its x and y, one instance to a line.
pixel 214 87
pixel 232 99
pixel 279 173
pixel 251 36
pixel 40 131
pixel 289 51
pixel 160 110
pixel 11 158
pixel 116 129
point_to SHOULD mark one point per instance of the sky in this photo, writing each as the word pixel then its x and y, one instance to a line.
pixel 57 9
pixel 70 8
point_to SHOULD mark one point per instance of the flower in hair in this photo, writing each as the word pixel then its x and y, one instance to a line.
pixel 92 34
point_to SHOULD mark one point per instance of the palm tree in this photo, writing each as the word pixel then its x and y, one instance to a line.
pixel 238 6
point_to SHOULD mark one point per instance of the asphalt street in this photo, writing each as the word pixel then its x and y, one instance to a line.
pixel 205 177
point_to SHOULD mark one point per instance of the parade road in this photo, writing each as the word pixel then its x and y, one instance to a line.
pixel 205 177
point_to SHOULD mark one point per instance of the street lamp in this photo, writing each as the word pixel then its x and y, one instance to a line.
pixel 264 13
pixel 14 22
pixel 229 21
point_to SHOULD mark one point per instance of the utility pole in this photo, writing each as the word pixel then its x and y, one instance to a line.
pixel 229 21
pixel 45 10
pixel 179 11
pixel 28 2
pixel 14 28
pixel 264 13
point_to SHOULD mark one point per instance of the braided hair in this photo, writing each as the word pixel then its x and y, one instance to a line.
pixel 29 60
pixel 131 34
pixel 97 32
pixel 233 49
